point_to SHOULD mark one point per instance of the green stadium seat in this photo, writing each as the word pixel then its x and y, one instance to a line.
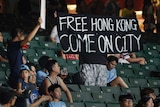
pixel 104 97
pixel 39 38
pixel 33 59
pixel 4 65
pixel 126 73
pixel 142 73
pixel 29 52
pixel 151 53
pixel 154 82
pixel 49 45
pixel 74 87
pixel 119 67
pixel 33 44
pixel 72 62
pixel 126 81
pixel 113 105
pixel 72 69
pixel 46 52
pixel 75 104
pixel 149 67
pixel 82 97
pixel 109 89
pixel 92 89
pixel 153 61
pixel 61 61
pixel 138 82
pixel 6 36
pixel 140 54
pixel 93 104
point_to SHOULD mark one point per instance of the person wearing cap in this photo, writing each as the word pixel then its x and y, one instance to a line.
pixel 23 86
pixel 126 100
pixel 7 97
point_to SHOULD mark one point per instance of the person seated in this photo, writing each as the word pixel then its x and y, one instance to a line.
pixel 112 78
pixel 145 101
pixel 126 100
pixel 7 96
pixel 3 53
pixel 130 58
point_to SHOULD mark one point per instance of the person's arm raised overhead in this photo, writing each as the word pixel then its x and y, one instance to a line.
pixel 32 33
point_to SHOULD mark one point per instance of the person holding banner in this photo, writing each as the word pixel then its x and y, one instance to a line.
pixel 93 69
pixel 14 51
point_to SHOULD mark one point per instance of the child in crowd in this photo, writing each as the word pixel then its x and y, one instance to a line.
pixel 126 100
pixel 43 73
pixel 53 78
pixel 112 78
pixel 23 87
pixel 55 92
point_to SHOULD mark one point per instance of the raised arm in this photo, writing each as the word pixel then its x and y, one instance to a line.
pixel 32 33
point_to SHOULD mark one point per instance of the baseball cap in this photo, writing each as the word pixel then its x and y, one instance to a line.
pixel 24 67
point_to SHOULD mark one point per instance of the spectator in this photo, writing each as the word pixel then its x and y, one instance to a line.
pixel 23 87
pixel 128 11
pixel 146 101
pixel 148 91
pixel 7 97
pixel 55 91
pixel 14 51
pixel 54 69
pixel 3 53
pixel 148 15
pixel 112 78
pixel 34 97
pixel 130 58
pixel 43 73
pixel 126 100
pixel 111 8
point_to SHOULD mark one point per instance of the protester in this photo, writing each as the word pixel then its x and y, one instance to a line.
pixel 14 51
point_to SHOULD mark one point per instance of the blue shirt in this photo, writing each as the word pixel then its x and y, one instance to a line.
pixel 41 75
pixel 56 104
pixel 111 75
pixel 33 96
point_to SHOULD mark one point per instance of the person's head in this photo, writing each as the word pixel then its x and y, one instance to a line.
pixel 24 71
pixel 129 4
pixel 42 61
pixel 148 91
pixel 126 100
pixel 1 37
pixel 7 96
pixel 17 32
pixel 55 91
pixel 52 65
pixel 147 101
pixel 111 62
pixel 31 66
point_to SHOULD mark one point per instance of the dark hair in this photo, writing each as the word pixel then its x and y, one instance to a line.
pixel 49 64
pixel 53 87
pixel 146 91
pixel 112 58
pixel 145 98
pixel 15 31
pixel 125 96
pixel 6 94
pixel 29 64
pixel 42 61
pixel 127 1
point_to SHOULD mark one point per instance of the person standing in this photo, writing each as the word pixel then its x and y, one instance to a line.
pixel 14 51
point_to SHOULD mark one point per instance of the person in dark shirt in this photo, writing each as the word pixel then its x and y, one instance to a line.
pixel 14 51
